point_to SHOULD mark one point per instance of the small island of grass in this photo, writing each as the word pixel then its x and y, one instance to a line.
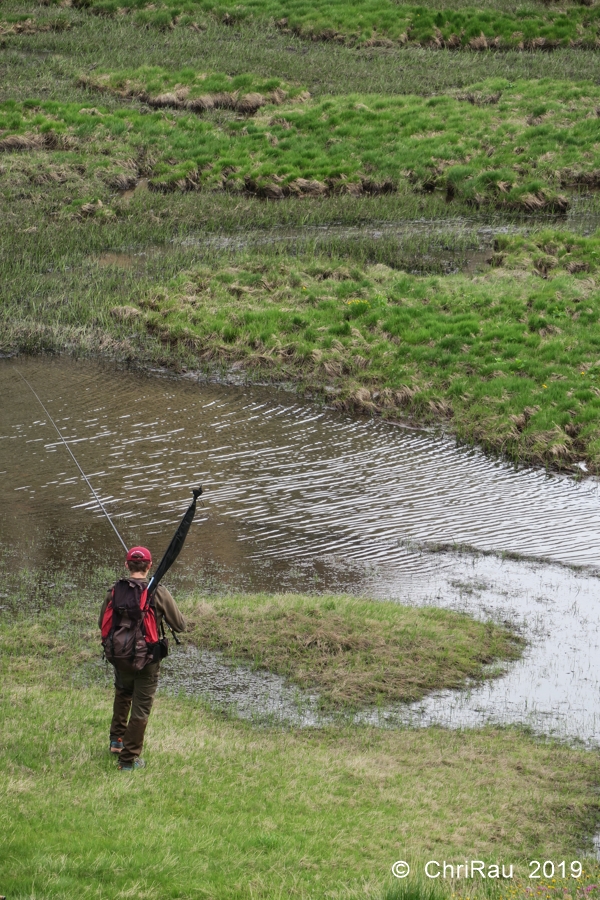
pixel 353 651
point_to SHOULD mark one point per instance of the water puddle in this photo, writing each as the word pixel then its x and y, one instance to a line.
pixel 443 245
pixel 300 498
pixel 127 195
pixel 448 245
pixel 119 260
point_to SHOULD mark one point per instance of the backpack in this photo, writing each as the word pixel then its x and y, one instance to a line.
pixel 129 630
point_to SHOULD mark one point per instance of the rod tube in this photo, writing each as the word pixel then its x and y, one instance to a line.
pixel 84 476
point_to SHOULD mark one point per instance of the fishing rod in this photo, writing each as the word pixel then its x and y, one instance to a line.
pixel 84 476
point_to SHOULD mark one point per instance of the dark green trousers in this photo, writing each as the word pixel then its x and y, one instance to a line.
pixel 134 696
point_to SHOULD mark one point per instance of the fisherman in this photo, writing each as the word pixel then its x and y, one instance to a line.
pixel 136 676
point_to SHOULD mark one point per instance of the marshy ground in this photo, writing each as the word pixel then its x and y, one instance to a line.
pixel 122 142
pixel 148 154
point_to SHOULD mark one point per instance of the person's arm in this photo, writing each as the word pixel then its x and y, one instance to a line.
pixel 169 609
pixel 103 610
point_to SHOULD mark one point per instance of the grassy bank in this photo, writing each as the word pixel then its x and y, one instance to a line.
pixel 508 358
pixel 240 812
pixel 350 651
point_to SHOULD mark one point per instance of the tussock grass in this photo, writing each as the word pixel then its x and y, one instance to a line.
pixel 295 813
pixel 199 92
pixel 380 24
pixel 549 253
pixel 509 359
pixel 256 46
pixel 353 652
pixel 509 145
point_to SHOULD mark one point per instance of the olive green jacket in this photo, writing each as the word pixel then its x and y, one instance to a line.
pixel 164 605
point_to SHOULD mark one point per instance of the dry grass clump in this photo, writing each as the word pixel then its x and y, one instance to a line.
pixel 49 140
pixel 196 92
pixel 275 187
pixel 32 26
pixel 125 313
pixel 353 652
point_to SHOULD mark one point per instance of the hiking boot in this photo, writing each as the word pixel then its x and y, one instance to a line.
pixel 137 763
pixel 116 746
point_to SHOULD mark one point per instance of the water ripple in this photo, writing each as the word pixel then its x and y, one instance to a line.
pixel 300 498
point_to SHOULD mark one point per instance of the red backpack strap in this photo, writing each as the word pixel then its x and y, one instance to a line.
pixel 150 627
pixel 107 618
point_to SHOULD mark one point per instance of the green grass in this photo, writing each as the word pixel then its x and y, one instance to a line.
pixel 226 810
pixel 380 22
pixel 236 813
pixel 509 145
pixel 510 360
pixel 353 652
pixel 187 88
pixel 157 80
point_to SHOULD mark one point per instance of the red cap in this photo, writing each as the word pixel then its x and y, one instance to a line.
pixel 139 553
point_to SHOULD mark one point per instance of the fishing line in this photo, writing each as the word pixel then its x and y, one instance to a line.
pixel 86 479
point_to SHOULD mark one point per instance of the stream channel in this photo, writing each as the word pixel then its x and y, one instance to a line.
pixel 301 498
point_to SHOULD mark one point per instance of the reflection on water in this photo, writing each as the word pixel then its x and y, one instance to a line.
pixel 301 498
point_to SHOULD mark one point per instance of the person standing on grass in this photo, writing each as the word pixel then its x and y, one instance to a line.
pixel 130 622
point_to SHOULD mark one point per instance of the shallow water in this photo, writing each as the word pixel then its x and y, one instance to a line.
pixel 119 260
pixel 423 245
pixel 301 498
pixel 260 697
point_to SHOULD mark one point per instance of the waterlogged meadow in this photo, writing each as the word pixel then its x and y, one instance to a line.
pixel 381 23
pixel 512 146
pixel 142 147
